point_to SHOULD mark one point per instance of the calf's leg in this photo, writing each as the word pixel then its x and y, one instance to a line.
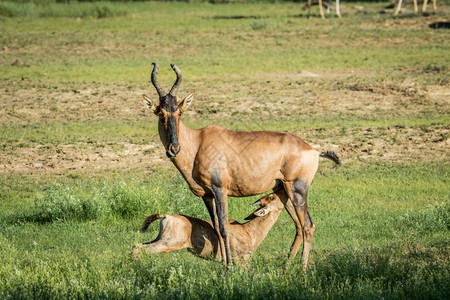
pixel 173 235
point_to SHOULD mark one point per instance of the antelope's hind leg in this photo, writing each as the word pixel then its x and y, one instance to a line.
pixel 298 193
pixel 167 245
pixel 298 227
pixel 281 193
pixel 139 249
pixel 173 235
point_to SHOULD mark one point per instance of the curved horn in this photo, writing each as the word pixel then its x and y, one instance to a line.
pixel 176 85
pixel 158 88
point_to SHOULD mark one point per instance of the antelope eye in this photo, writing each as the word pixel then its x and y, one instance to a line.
pixel 157 111
pixel 161 114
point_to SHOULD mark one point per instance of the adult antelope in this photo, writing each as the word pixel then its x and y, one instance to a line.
pixel 217 163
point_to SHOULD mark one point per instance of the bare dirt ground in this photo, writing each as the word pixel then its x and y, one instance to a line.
pixel 289 95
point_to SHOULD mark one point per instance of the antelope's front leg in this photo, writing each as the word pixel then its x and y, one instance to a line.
pixel 399 6
pixel 338 10
pixel 221 203
pixel 322 15
pixel 309 8
pixel 211 207
pixel 424 6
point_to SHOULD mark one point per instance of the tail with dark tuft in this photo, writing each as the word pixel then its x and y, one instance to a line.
pixel 149 220
pixel 331 155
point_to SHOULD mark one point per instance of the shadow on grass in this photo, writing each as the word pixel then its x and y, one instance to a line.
pixel 440 25
pixel 238 17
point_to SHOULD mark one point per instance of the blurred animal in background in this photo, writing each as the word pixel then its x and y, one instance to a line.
pixel 329 6
pixel 416 9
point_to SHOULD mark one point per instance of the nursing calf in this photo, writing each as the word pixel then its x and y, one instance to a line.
pixel 199 237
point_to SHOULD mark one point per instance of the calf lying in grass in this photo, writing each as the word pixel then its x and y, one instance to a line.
pixel 198 236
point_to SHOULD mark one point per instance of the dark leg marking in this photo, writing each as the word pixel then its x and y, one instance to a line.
pixel 300 192
pixel 222 211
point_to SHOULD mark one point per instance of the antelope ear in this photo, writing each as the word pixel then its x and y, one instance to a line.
pixel 186 102
pixel 261 212
pixel 149 102
pixel 257 202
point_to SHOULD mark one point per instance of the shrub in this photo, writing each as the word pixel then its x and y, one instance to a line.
pixel 62 203
pixel 111 199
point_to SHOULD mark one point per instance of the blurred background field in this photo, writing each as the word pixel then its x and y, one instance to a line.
pixel 81 164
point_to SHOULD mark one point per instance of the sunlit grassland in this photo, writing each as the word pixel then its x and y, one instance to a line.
pixel 382 226
pixel 382 230
pixel 212 41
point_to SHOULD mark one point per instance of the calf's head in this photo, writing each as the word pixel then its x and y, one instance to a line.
pixel 267 204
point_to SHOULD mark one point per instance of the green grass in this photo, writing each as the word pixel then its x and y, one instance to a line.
pixel 212 41
pixel 373 239
pixel 382 223
pixel 46 9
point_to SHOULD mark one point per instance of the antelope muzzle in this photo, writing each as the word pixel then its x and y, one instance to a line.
pixel 173 150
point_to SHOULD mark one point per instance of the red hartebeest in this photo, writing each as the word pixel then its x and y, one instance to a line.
pixel 217 163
